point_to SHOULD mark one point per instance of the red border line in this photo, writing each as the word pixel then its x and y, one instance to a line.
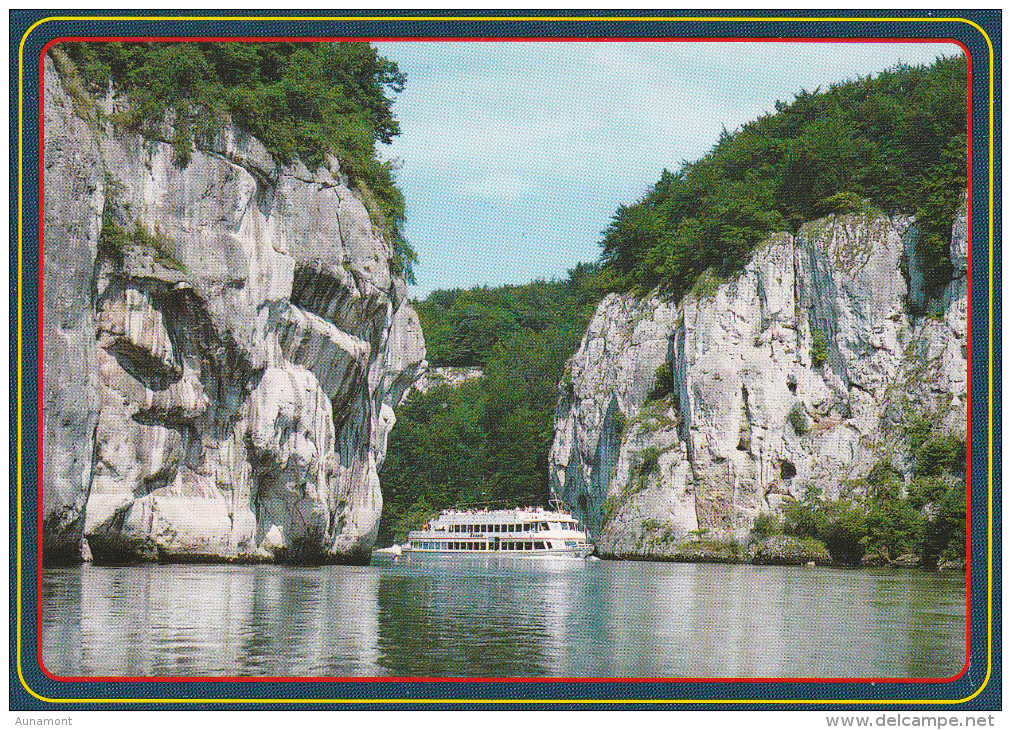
pixel 481 39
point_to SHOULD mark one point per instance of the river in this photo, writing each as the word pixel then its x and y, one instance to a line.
pixel 500 617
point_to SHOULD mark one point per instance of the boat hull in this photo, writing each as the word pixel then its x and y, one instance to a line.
pixel 573 552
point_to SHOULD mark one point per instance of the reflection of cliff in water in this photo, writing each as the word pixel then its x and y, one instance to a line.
pixel 501 617
pixel 209 620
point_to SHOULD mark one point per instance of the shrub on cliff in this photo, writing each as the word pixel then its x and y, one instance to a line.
pixel 894 143
pixel 663 383
pixel 766 525
pixel 819 349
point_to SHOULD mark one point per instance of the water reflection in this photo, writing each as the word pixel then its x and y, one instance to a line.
pixel 494 616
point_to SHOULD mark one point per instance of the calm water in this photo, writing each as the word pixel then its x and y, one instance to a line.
pixel 493 616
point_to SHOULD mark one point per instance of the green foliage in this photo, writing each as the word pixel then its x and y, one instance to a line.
pixel 486 440
pixel 463 328
pixel 819 349
pixel 805 519
pixel 84 104
pixel 943 536
pixel 940 455
pixel 413 518
pixel 766 525
pixel 918 428
pixel 647 462
pixel 928 521
pixel 893 527
pixel 304 101
pixel 894 143
pixel 844 532
pixel 663 384
pixel 798 419
pixel 620 423
pixel 927 490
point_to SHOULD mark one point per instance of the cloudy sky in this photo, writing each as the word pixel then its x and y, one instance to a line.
pixel 515 155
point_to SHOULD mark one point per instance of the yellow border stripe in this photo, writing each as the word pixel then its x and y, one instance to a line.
pixel 519 18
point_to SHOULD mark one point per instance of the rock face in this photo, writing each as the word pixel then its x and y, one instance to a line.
pixel 451 376
pixel 800 371
pixel 223 342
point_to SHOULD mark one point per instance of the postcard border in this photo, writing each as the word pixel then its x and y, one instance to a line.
pixel 542 701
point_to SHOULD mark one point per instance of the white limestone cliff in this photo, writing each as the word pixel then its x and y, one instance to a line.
pixel 218 384
pixel 751 419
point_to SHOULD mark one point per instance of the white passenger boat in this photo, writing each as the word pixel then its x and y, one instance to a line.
pixel 531 531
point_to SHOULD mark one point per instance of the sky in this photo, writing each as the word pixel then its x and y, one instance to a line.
pixel 514 156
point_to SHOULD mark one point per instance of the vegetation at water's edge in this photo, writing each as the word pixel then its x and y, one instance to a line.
pixel 895 143
pixel 304 101
pixel 927 519
pixel 486 440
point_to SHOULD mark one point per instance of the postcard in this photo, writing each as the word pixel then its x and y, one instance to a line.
pixel 507 360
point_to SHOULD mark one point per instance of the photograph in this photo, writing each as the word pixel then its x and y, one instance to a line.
pixel 506 359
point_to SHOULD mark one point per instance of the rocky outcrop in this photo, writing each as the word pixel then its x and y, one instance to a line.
pixel 223 342
pixel 445 375
pixel 696 417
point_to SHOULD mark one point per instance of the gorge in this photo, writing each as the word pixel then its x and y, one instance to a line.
pixel 226 332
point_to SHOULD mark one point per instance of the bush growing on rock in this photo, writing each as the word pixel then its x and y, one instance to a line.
pixel 798 419
pixel 944 454
pixel 663 383
pixel 766 525
pixel 646 463
pixel 819 349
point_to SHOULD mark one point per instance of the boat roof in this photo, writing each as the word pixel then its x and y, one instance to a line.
pixel 519 513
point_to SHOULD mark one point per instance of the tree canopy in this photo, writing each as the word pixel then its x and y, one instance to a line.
pixel 894 143
pixel 304 101
pixel 486 440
